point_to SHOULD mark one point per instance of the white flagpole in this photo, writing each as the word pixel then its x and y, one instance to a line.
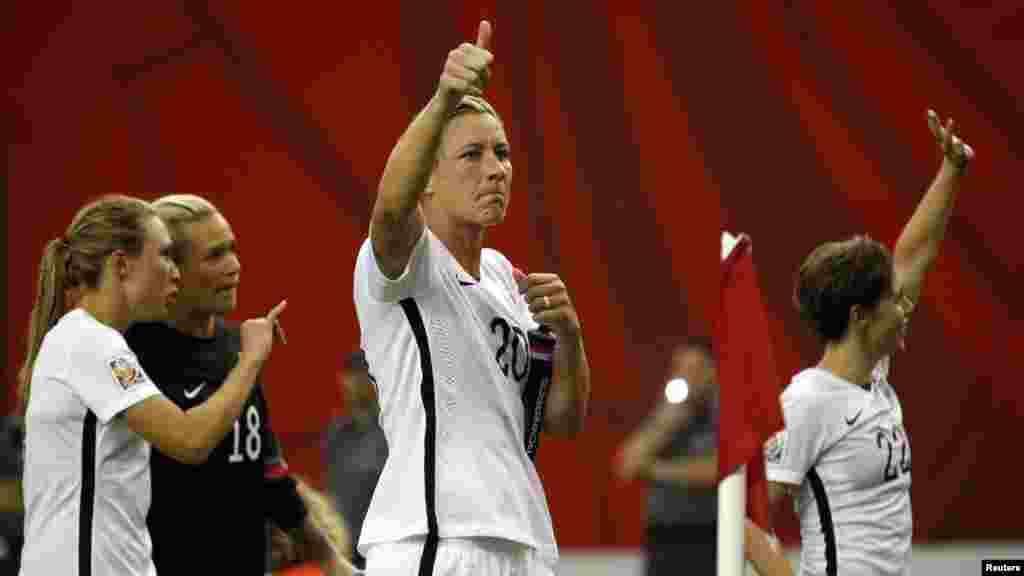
pixel 728 243
pixel 732 515
pixel 732 495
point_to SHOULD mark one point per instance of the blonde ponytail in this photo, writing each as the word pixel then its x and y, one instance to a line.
pixel 48 308
pixel 75 261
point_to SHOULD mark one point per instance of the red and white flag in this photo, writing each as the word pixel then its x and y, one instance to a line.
pixel 750 412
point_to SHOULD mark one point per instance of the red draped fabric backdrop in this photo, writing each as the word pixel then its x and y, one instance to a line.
pixel 638 130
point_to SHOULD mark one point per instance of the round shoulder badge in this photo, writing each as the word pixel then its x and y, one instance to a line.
pixel 774 447
pixel 126 371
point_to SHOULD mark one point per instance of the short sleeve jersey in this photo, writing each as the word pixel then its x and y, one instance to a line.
pixel 847 449
pixel 450 356
pixel 226 500
pixel 87 477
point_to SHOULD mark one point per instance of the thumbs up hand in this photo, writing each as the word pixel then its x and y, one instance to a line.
pixel 468 67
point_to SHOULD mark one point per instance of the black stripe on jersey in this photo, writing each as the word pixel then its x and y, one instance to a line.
pixel 412 313
pixel 828 529
pixel 88 495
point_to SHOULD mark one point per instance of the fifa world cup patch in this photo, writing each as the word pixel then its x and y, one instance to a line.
pixel 774 447
pixel 126 371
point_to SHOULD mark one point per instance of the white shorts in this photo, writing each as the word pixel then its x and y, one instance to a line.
pixel 456 557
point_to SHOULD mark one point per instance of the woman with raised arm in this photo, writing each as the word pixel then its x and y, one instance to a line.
pixel 844 454
pixel 446 326
pixel 91 412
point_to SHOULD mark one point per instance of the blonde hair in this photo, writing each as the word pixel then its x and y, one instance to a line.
pixel 474 105
pixel 326 523
pixel 325 519
pixel 75 261
pixel 179 210
pixel 468 105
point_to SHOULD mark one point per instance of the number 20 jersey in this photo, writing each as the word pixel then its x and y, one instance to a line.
pixel 449 354
pixel 847 449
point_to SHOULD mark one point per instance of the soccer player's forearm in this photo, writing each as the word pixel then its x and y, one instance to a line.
pixel 566 407
pixel 411 161
pixel 397 223
pixel 767 560
pixel 690 471
pixel 210 421
pixel 657 430
pixel 918 244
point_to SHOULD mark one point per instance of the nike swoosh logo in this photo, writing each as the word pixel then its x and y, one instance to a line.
pixel 852 421
pixel 190 394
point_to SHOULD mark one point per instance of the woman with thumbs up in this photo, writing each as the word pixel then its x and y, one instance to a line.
pixel 446 327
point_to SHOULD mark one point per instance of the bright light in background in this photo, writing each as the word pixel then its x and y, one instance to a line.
pixel 677 390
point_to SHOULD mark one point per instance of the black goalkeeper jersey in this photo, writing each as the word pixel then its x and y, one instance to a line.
pixel 211 518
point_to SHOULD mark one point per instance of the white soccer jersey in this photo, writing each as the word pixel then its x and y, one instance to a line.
pixel 847 449
pixel 86 480
pixel 449 355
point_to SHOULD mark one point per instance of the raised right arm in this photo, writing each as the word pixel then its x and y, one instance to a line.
pixel 190 436
pixel 397 221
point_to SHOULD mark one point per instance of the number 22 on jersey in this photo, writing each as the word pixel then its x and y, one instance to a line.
pixel 895 445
